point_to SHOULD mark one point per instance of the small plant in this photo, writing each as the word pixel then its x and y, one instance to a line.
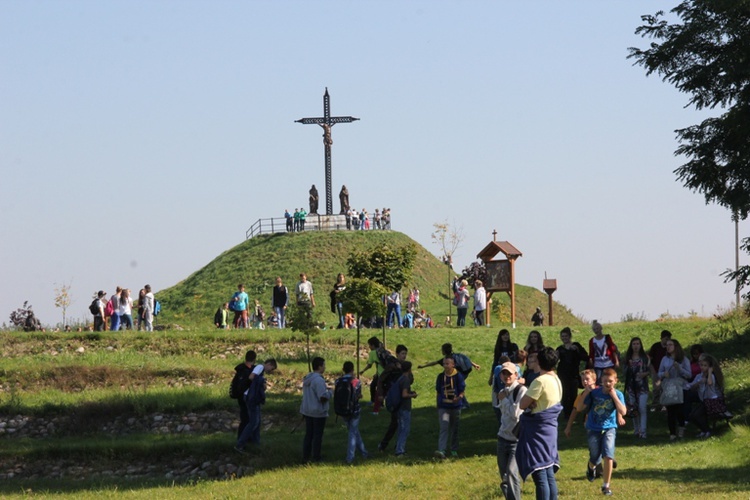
pixel 631 317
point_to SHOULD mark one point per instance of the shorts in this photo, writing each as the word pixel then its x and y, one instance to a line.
pixel 601 444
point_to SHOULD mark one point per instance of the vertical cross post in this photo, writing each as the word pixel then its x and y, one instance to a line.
pixel 327 122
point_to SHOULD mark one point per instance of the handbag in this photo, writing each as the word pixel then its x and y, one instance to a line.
pixel 671 391
pixel 715 407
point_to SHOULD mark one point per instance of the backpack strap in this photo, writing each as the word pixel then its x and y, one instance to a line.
pixel 515 393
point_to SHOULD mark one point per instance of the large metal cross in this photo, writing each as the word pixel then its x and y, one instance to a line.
pixel 327 121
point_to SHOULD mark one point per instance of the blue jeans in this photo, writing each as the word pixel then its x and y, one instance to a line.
pixel 510 479
pixel 545 483
pixel 601 445
pixel 251 432
pixel 340 311
pixel 394 309
pixel 404 428
pixel 281 316
pixel 461 316
pixel 114 324
pixel 355 440
pixel 126 320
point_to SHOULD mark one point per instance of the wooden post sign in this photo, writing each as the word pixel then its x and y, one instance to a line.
pixel 549 287
pixel 501 274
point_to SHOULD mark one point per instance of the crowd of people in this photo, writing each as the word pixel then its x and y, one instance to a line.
pixel 533 388
pixel 116 313
pixel 247 315
pixel 687 388
pixel 355 220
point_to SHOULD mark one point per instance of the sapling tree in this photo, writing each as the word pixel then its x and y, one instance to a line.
pixel 63 299
pixel 364 297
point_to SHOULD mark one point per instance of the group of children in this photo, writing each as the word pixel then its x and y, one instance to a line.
pixel 513 391
pixel 699 394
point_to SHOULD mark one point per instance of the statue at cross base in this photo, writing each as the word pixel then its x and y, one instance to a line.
pixel 314 199
pixel 344 199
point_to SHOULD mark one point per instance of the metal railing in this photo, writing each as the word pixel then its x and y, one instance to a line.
pixel 314 222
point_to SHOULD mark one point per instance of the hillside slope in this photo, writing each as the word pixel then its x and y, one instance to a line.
pixel 322 255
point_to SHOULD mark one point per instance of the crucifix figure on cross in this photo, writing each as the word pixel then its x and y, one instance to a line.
pixel 327 121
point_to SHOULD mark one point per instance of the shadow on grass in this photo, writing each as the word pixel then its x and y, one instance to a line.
pixel 282 446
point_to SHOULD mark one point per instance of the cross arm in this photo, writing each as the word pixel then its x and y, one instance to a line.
pixel 311 121
pixel 342 119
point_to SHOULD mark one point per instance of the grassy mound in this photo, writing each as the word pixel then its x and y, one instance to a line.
pixel 322 255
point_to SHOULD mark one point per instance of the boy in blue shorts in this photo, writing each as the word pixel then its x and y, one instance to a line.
pixel 606 406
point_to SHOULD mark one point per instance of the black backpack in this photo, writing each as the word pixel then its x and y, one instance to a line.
pixel 344 397
pixel 240 382
pixel 218 317
pixel 94 307
pixel 463 363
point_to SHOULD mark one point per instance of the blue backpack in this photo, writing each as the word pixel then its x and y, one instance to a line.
pixel 393 398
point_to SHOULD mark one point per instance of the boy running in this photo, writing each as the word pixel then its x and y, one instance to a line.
pixel 605 403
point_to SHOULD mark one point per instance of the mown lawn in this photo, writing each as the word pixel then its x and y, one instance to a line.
pixel 190 371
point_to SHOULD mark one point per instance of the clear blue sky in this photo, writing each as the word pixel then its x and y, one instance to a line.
pixel 140 139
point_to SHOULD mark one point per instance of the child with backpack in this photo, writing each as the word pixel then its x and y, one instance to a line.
pixel 254 397
pixel 346 395
pixel 509 399
pixel 380 357
pixel 240 384
pixel 603 352
pixel 464 364
pixel 390 376
pixel 399 402
pixel 221 316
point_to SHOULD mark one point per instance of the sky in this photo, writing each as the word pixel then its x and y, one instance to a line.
pixel 141 139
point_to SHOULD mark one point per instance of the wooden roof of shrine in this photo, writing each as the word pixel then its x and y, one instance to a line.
pixel 496 247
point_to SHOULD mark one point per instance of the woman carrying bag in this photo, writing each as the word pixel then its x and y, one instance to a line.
pixel 674 372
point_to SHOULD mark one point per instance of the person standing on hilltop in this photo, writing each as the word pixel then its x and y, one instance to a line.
pixel 289 221
pixel 141 300
pixel 337 307
pixel 537 319
pixel 461 301
pixel 480 302
pixel 126 310
pixel 148 308
pixel 304 293
pixel 280 301
pixel 241 303
pixel 115 316
pixel 99 324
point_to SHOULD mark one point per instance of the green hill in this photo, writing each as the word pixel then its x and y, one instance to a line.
pixel 322 255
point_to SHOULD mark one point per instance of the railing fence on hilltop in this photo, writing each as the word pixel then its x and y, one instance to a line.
pixel 313 222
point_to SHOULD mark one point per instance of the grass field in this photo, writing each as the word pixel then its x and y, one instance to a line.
pixel 179 372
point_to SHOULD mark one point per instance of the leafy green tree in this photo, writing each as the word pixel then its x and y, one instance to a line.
pixel 389 268
pixel 706 54
pixel 363 297
pixel 303 319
